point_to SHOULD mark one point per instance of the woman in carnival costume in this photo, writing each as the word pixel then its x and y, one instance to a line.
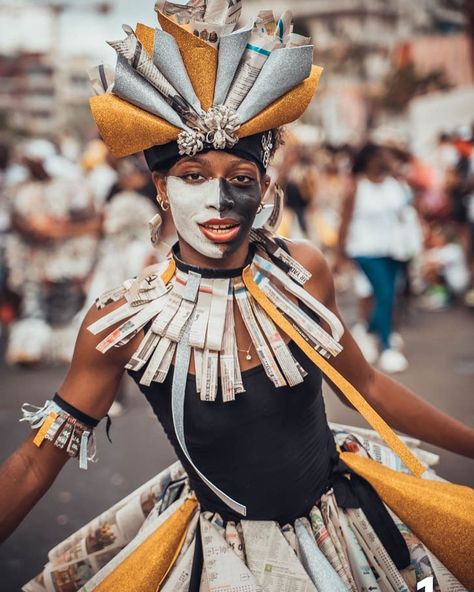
pixel 227 339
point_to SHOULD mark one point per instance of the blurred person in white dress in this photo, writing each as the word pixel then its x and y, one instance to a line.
pixel 50 251
pixel 378 231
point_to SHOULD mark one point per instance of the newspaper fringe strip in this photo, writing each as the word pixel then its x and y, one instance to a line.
pixel 58 426
pixel 166 308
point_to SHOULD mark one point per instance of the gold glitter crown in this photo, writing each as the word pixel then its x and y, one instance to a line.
pixel 171 85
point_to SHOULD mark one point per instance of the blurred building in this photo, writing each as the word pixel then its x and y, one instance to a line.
pixel 359 44
pixel 447 53
pixel 38 96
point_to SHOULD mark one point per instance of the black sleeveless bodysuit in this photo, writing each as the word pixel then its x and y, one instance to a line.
pixel 271 449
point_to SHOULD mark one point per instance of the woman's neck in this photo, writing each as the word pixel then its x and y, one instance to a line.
pixel 192 257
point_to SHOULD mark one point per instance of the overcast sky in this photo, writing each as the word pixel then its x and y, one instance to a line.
pixel 27 25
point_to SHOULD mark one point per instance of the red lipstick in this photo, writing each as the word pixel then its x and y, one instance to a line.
pixel 220 230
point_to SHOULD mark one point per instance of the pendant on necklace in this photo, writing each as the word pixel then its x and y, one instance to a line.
pixel 248 357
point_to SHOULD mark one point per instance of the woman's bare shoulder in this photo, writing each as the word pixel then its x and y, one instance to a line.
pixel 88 341
pixel 309 256
pixel 321 283
pixel 93 377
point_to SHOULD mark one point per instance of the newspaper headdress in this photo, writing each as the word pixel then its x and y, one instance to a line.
pixel 192 84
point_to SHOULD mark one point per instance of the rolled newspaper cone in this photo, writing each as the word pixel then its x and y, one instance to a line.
pixel 259 48
pixel 265 22
pixel 223 11
pixel 132 50
pixel 283 27
pixel 183 11
pixel 295 40
pixel 101 78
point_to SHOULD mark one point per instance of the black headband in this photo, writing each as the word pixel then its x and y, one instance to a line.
pixel 257 148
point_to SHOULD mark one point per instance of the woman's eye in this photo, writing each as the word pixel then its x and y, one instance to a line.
pixel 244 179
pixel 192 177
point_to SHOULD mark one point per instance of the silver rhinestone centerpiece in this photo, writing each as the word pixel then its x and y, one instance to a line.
pixel 217 127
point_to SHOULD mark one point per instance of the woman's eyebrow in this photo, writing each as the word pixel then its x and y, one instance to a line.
pixel 239 162
pixel 191 159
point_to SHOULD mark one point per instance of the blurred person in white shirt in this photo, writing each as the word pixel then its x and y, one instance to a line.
pixel 444 269
pixel 50 251
pixel 374 234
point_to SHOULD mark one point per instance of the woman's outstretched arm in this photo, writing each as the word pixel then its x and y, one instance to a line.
pixel 401 408
pixel 90 386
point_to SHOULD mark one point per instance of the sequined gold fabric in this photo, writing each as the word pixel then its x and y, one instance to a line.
pixel 199 58
pixel 127 129
pixel 285 109
pixel 440 514
pixel 145 568
pixel 146 36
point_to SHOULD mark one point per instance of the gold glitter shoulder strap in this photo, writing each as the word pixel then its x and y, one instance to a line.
pixel 349 391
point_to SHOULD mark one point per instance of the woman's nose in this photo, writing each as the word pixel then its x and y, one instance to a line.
pixel 218 196
pixel 226 199
pixel 212 194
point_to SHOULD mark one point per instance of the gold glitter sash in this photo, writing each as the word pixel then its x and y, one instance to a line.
pixel 147 567
pixel 351 393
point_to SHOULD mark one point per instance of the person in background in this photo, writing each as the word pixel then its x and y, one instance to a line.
pixel 444 268
pixel 332 186
pixel 463 202
pixel 469 296
pixel 371 219
pixel 6 305
pixel 400 160
pixel 461 185
pixel 100 171
pixel 50 252
pixel 298 179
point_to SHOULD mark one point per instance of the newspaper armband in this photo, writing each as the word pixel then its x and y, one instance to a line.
pixel 60 422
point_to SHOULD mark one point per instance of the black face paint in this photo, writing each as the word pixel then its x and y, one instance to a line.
pixel 240 204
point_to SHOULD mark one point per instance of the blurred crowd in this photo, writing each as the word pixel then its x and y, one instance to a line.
pixel 396 229
pixel 74 222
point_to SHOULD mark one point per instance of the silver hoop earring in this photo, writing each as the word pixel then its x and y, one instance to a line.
pixel 164 205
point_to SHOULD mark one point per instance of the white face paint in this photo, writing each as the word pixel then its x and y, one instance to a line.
pixel 192 205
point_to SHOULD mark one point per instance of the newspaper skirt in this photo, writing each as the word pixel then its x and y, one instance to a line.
pixel 150 540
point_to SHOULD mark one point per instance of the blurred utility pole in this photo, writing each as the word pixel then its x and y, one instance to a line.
pixel 469 7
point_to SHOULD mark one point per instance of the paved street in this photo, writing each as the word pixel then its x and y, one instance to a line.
pixel 439 347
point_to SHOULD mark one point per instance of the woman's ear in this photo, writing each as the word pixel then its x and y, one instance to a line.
pixel 159 180
pixel 265 184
